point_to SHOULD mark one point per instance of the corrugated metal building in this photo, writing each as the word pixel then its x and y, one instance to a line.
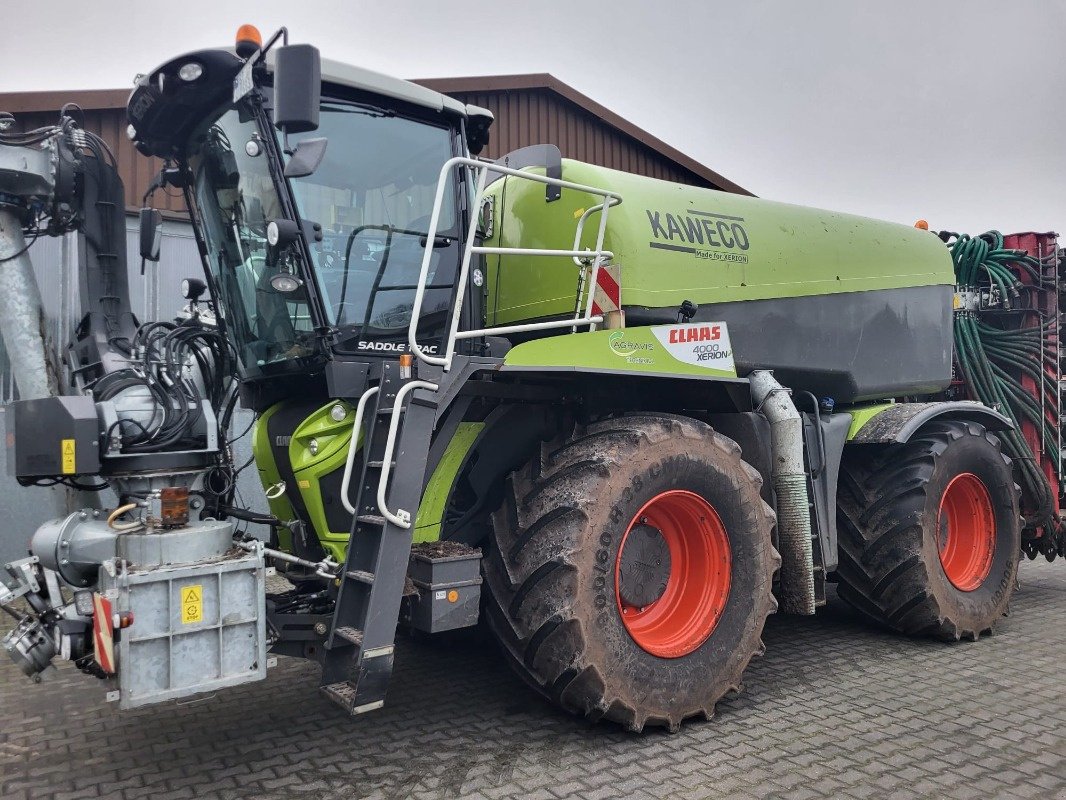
pixel 540 109
pixel 529 109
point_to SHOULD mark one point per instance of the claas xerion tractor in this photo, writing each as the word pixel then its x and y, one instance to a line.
pixel 620 420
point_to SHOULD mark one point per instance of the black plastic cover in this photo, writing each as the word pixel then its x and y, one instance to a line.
pixel 297 88
pixel 52 437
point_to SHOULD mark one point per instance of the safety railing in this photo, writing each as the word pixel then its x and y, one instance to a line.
pixel 589 260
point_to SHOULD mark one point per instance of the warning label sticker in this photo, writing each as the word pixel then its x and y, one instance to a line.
pixel 705 344
pixel 192 604
pixel 69 456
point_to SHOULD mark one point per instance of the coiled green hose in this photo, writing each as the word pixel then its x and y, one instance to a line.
pixel 990 358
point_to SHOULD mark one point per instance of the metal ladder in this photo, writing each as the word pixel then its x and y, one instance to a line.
pixel 359 649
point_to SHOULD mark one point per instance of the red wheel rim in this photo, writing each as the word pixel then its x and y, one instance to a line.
pixel 697 588
pixel 966 532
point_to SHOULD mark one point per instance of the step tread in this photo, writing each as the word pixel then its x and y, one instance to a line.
pixel 349 634
pixel 343 694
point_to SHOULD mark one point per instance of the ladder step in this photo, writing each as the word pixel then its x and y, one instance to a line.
pixel 372 519
pixel 360 575
pixel 379 464
pixel 343 694
pixel 387 411
pixel 353 635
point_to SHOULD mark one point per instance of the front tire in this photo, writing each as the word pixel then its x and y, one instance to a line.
pixel 630 573
pixel 930 532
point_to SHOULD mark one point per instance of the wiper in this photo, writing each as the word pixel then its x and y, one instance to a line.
pixel 365 109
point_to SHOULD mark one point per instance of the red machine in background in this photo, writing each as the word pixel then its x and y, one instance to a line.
pixel 1008 355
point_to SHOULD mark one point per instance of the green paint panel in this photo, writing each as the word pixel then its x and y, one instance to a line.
pixel 439 489
pixel 269 475
pixel 633 350
pixel 678 242
pixel 332 438
pixel 860 415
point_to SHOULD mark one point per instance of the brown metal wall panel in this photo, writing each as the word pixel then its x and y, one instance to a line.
pixel 537 116
pixel 524 116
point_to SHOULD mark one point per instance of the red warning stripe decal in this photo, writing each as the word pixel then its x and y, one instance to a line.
pixel 607 294
pixel 103 634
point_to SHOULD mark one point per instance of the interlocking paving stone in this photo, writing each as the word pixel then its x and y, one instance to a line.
pixel 834 709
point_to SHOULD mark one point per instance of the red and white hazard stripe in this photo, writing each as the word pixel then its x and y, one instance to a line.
pixel 607 294
pixel 103 634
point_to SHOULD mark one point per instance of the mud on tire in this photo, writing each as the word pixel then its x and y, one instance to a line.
pixel 552 598
pixel 892 527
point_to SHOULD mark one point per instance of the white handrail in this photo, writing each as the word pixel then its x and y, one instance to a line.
pixel 353 446
pixel 603 224
pixel 401 518
pixel 482 169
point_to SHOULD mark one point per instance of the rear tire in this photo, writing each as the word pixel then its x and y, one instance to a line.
pixel 930 532
pixel 556 596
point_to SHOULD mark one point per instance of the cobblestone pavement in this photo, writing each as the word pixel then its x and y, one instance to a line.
pixel 834 709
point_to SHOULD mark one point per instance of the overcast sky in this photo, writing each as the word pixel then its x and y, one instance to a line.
pixel 952 111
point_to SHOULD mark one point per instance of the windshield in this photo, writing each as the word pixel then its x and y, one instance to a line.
pixel 235 198
pixel 373 195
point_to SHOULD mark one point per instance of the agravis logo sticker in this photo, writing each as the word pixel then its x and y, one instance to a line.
pixel 632 351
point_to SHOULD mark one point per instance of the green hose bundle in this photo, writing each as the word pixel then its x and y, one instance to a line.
pixel 991 360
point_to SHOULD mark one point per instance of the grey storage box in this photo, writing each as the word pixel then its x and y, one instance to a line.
pixel 447 583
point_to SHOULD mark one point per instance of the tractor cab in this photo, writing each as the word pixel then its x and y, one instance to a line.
pixel 311 186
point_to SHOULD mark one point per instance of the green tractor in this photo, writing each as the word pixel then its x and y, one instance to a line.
pixel 621 420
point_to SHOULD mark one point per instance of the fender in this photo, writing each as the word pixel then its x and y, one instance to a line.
pixel 899 422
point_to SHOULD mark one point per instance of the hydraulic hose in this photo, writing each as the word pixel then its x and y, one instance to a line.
pixel 993 360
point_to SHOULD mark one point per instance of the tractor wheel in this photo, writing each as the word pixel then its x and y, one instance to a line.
pixel 930 532
pixel 630 573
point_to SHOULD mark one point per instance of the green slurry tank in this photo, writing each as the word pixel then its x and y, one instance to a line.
pixel 841 305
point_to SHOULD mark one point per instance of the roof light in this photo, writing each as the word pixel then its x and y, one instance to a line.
pixel 191 71
pixel 249 40
pixel 921 225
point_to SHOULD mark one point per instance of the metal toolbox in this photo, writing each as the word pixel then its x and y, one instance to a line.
pixel 447 583
pixel 196 627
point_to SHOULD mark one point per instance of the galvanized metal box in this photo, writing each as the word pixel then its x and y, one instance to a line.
pixel 196 628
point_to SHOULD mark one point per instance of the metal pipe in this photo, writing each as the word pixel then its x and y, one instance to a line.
pixel 22 322
pixel 353 447
pixel 528 326
pixel 401 518
pixel 790 487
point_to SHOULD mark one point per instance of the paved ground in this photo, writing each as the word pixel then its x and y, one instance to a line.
pixel 832 710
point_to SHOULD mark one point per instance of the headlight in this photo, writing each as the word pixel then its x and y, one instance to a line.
pixel 285 283
pixel 191 71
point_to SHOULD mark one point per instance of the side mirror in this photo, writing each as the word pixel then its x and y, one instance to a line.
pixel 478 122
pixel 151 233
pixel 297 88
pixel 306 158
